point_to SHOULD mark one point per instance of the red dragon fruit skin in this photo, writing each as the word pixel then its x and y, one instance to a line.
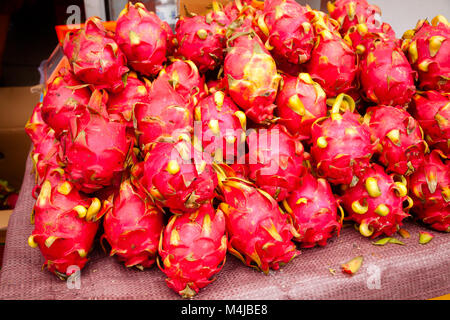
pixel 333 64
pixel 288 30
pixel 252 77
pixel 430 191
pixel 193 250
pixel 95 57
pixel 275 161
pixel 200 41
pixel 176 177
pixel 375 203
pixel 144 39
pixel 95 149
pixel 386 76
pixel 314 211
pixel 401 147
pixel 65 98
pixel 300 101
pixel 432 111
pixel 259 232
pixel 65 224
pixel 132 227
pixel 428 49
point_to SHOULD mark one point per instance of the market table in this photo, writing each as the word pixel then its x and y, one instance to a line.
pixel 410 271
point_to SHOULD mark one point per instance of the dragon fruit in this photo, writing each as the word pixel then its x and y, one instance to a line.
pixel 176 177
pixel 432 110
pixel 313 209
pixel 332 64
pixel 300 101
pixel 165 115
pixel 430 191
pixel 95 57
pixel 66 97
pixel 121 105
pixel 352 12
pixel 275 161
pixel 200 41
pixel 185 80
pixel 375 202
pixel 428 49
pixel 252 76
pixel 341 145
pixel 386 76
pixel 289 34
pixel 259 232
pixel 223 125
pixel 95 148
pixel 401 147
pixel 65 224
pixel 133 226
pixel 144 38
pixel 193 250
pixel 362 35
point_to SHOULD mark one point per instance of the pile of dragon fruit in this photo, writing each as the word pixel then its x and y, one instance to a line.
pixel 257 129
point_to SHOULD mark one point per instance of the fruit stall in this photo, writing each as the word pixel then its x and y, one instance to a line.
pixel 257 150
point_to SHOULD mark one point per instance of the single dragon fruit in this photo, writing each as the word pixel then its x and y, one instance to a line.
pixel 314 211
pixel 352 12
pixel 165 115
pixel 275 161
pixel 290 36
pixel 259 232
pixel 201 41
pixel 132 227
pixel 223 127
pixel 95 57
pixel 95 149
pixel 65 98
pixel 252 76
pixel 176 177
pixel 432 110
pixel 360 36
pixel 300 101
pixel 193 250
pixel 144 38
pixel 375 202
pixel 401 147
pixel 341 145
pixel 333 64
pixel 121 105
pixel 428 49
pixel 386 76
pixel 430 191
pixel 65 224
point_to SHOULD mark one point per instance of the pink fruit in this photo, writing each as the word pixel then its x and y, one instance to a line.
pixel 252 76
pixel 385 74
pixel 314 211
pixel 332 64
pixel 300 101
pixel 133 226
pixel 401 147
pixel 144 38
pixel 360 36
pixel 193 250
pixel 432 111
pixel 428 49
pixel 66 97
pixel 375 203
pixel 176 177
pixel 95 57
pixel 65 224
pixel 430 191
pixel 259 233
pixel 275 161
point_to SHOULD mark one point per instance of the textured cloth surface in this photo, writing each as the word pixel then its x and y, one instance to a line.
pixel 412 271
